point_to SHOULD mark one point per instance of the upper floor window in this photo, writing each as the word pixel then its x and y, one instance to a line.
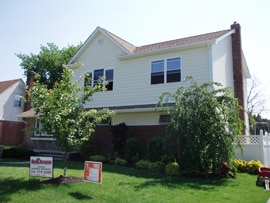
pixel 166 71
pixel 100 76
pixel 17 100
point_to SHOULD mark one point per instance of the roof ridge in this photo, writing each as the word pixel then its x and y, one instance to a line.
pixel 127 45
pixel 181 41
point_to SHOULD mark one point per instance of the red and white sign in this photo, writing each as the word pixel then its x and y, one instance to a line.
pixel 92 172
pixel 41 166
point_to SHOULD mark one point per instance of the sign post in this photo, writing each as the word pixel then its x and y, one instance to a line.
pixel 92 172
pixel 41 166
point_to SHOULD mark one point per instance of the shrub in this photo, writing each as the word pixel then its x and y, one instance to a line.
pixel 250 167
pixel 172 169
pixel 119 138
pixel 154 149
pixel 156 166
pixel 142 164
pixel 119 161
pixel 87 148
pixel 253 166
pixel 100 158
pixel 132 149
pixel 17 152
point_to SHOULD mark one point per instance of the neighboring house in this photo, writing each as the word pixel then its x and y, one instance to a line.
pixel 11 102
pixel 137 76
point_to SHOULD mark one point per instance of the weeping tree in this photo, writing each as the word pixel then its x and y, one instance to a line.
pixel 61 110
pixel 204 127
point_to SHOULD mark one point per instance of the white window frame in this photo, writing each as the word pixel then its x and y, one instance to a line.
pixel 92 72
pixel 39 131
pixel 17 100
pixel 165 69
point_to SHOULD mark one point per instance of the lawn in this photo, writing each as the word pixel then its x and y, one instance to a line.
pixel 123 184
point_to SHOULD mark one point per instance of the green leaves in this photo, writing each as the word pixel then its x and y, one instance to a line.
pixel 61 108
pixel 205 122
pixel 48 64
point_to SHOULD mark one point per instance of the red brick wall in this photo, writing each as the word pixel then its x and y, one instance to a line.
pixel 103 137
pixel 11 133
pixel 237 67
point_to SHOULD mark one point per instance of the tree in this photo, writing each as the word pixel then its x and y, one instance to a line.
pixel 48 64
pixel 204 125
pixel 61 110
pixel 256 101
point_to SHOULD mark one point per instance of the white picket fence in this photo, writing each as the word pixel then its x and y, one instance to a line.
pixel 255 147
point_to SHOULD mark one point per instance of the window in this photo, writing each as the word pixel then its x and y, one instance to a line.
pixel 97 78
pixel 109 79
pixel 164 119
pixel 173 70
pixel 166 71
pixel 39 129
pixel 18 100
pixel 157 72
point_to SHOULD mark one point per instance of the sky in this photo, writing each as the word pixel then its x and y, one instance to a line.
pixel 28 24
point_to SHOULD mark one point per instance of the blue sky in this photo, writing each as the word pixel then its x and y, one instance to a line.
pixel 27 24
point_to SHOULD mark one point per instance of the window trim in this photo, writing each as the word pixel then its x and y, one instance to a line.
pixel 92 72
pixel 17 100
pixel 165 69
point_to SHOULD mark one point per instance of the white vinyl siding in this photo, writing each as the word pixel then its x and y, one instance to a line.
pixel 222 62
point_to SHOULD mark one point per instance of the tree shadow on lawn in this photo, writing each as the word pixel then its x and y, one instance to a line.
pixel 206 183
pixel 10 186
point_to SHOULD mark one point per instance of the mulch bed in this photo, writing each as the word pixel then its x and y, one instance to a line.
pixel 63 180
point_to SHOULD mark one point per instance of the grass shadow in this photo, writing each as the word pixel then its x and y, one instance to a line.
pixel 80 196
pixel 10 186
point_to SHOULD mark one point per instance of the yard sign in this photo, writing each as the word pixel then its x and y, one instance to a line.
pixel 92 172
pixel 41 166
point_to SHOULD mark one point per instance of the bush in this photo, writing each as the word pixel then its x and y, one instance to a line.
pixel 172 169
pixel 119 138
pixel 132 150
pixel 17 152
pixel 156 166
pixel 99 158
pixel 87 148
pixel 250 167
pixel 154 149
pixel 119 161
pixel 142 164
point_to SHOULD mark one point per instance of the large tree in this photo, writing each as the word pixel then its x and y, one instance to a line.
pixel 48 63
pixel 204 125
pixel 61 110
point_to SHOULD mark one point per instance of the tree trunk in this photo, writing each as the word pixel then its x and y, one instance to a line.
pixel 65 163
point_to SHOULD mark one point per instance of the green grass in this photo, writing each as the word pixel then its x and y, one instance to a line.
pixel 123 184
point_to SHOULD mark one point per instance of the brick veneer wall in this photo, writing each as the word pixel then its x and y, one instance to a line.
pixel 11 133
pixel 238 67
pixel 103 137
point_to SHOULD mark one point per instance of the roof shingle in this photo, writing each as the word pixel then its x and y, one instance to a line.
pixel 6 84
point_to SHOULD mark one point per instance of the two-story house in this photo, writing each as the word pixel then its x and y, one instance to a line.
pixel 138 75
pixel 11 104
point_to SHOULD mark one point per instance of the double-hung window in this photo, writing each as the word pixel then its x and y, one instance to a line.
pixel 102 77
pixel 17 100
pixel 166 71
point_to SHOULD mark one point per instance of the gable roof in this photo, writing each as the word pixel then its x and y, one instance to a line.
pixel 131 50
pixel 6 84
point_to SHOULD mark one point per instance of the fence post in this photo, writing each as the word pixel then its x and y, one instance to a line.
pixel 262 147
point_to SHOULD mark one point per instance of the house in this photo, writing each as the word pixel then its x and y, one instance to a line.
pixel 138 75
pixel 11 104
